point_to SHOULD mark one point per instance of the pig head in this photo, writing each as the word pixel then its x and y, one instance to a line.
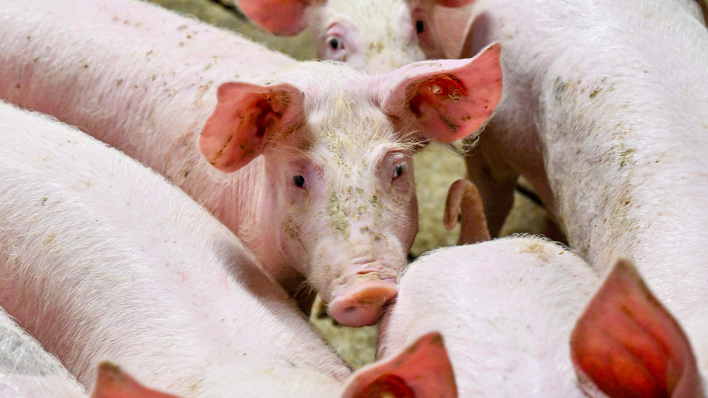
pixel 371 35
pixel 336 195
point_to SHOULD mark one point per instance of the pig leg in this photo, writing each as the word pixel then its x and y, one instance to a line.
pixel 463 201
pixel 495 183
pixel 628 344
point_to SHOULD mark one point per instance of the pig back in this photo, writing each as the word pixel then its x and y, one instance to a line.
pixel 506 309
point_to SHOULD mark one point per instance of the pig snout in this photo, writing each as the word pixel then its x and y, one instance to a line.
pixel 358 282
pixel 361 301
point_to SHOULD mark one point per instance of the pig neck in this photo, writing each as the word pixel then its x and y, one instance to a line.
pixel 617 99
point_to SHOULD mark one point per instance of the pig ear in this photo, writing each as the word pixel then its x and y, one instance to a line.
pixel 282 17
pixel 423 370
pixel 446 100
pixel 628 344
pixel 246 118
pixel 113 383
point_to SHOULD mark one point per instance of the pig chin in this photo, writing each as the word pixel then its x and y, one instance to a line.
pixel 361 284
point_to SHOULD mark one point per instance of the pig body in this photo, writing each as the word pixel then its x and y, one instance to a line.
pixel 506 308
pixel 332 197
pixel 372 36
pixel 526 317
pixel 100 258
pixel 606 112
pixel 27 370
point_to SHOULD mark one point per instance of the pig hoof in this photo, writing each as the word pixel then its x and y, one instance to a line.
pixel 362 306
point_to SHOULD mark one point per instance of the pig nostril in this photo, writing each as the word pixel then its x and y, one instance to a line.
pixel 364 272
pixel 350 309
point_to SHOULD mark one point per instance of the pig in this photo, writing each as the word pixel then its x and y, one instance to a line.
pixel 321 182
pixel 605 112
pixel 506 308
pixel 514 313
pixel 27 370
pixel 613 138
pixel 422 370
pixel 511 146
pixel 375 36
pixel 102 259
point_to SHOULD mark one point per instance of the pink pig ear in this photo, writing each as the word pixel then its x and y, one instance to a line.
pixel 446 100
pixel 423 370
pixel 113 383
pixel 628 344
pixel 246 117
pixel 282 17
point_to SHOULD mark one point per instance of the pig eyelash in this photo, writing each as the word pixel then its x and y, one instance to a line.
pixel 299 181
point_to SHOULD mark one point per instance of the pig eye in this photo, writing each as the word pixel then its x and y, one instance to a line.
pixel 334 42
pixel 419 26
pixel 397 170
pixel 299 181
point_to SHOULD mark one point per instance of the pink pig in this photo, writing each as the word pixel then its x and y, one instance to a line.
pixel 511 311
pixel 605 112
pixel 376 36
pixel 321 185
pixel 102 259
pixel 423 370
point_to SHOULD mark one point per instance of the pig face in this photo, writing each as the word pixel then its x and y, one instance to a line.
pixel 370 35
pixel 374 36
pixel 350 207
pixel 337 164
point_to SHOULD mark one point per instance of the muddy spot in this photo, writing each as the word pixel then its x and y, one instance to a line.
pixel 337 212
